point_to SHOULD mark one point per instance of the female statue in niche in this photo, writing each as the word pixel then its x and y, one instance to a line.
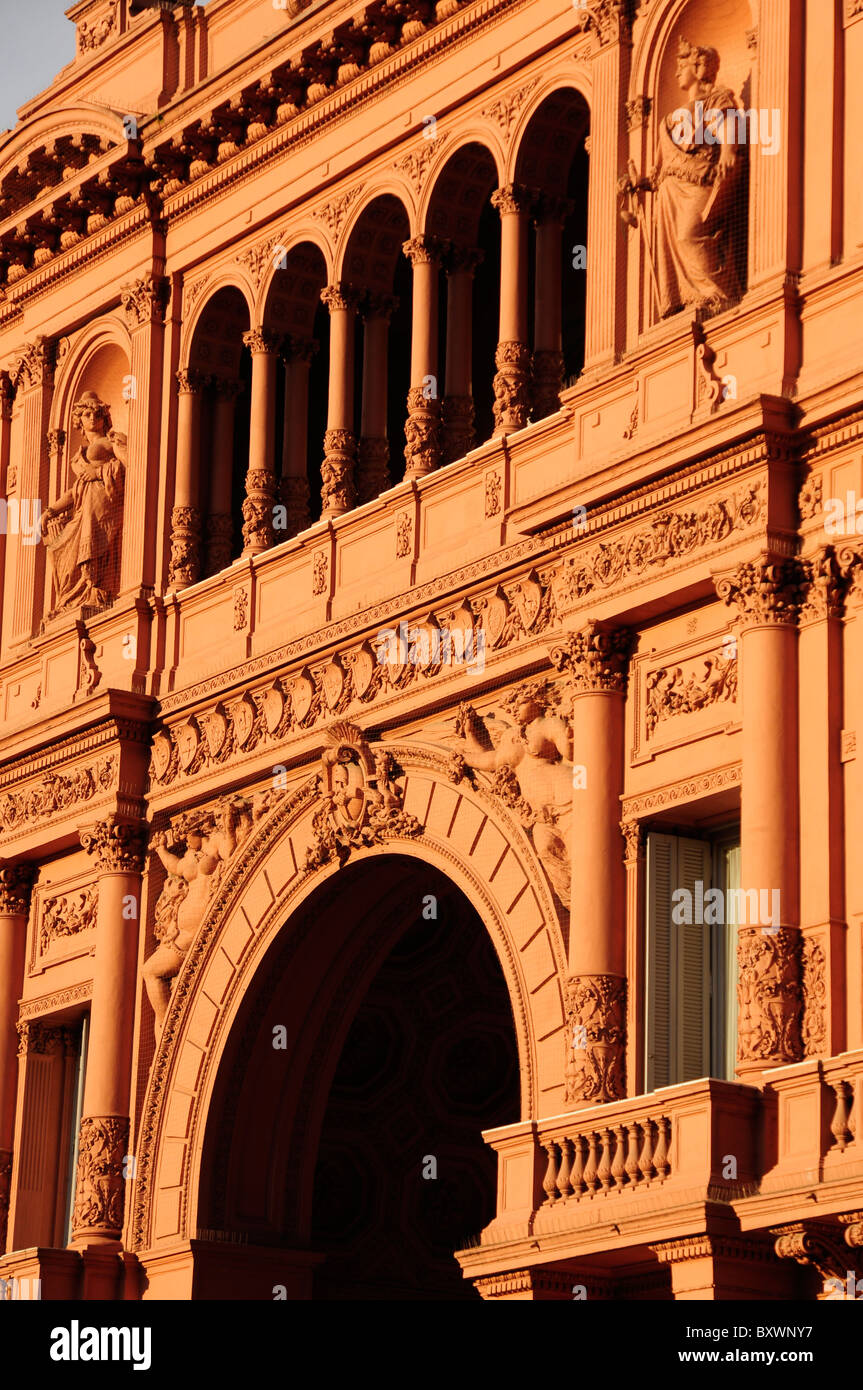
pixel 81 530
pixel 697 184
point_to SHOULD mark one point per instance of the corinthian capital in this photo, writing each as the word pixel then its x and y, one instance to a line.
pixel 513 198
pixel 425 250
pixel 118 846
pixel 609 20
pixel 145 300
pixel 189 381
pixel 260 340
pixel 765 592
pixel 16 881
pixel 340 296
pixel 596 659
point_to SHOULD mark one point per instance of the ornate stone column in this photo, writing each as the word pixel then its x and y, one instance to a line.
pixel 338 489
pixel 372 474
pixel 422 429
pixel 119 849
pixel 220 526
pixel 512 359
pixel 185 563
pixel 458 409
pixel 548 304
pixel 597 661
pixel 16 881
pixel 297 354
pixel 261 476
pixel 766 594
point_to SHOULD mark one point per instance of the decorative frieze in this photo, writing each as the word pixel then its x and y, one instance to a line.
pixel 67 914
pixel 56 792
pixel 670 536
pixel 596 1039
pixel 692 686
pixel 294 702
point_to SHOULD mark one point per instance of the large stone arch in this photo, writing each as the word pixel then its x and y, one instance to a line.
pixel 465 832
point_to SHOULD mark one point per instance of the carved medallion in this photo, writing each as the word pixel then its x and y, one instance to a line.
pixel 161 754
pixel 363 669
pixel 496 615
pixel 216 730
pixel 243 715
pixel 333 682
pixel 273 706
pixel 302 694
pixel 527 597
pixel 188 737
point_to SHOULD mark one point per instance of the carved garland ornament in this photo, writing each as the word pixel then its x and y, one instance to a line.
pixel 596 1038
pixel 769 996
pixel 100 1182
pixel 670 536
pixel 56 791
pixel 671 691
pixel 67 914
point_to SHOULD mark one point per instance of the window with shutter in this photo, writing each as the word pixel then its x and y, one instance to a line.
pixel 690 967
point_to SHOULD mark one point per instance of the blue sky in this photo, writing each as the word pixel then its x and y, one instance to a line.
pixel 36 41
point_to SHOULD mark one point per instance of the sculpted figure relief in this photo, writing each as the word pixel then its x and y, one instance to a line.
pixel 532 760
pixel 696 180
pixel 81 530
pixel 205 841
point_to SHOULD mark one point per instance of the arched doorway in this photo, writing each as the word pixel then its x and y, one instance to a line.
pixel 375 1045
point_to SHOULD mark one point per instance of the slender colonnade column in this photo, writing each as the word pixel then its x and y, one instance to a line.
pixel 548 301
pixel 338 488
pixel 185 563
pixel 512 358
pixel 372 474
pixel 261 476
pixel 422 428
pixel 458 408
pixel 297 354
